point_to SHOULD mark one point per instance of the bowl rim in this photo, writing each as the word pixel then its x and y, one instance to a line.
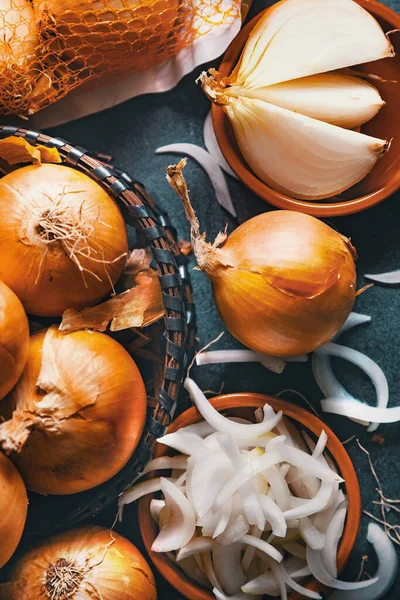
pixel 174 576
pixel 222 129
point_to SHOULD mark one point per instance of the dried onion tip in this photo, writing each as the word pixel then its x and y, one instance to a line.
pixel 283 282
pixel 79 411
pixel 84 564
pixel 63 240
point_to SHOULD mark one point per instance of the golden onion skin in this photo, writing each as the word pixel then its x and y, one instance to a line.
pixel 13 508
pixel 96 562
pixel 14 339
pixel 286 283
pixel 42 273
pixel 73 450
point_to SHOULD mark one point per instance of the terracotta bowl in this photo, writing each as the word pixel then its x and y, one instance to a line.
pixel 243 405
pixel 384 178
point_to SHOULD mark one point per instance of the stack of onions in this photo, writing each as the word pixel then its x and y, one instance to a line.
pixel 283 282
pixel 80 408
pixel 14 339
pixel 290 106
pixel 63 240
pixel 82 564
pixel 13 508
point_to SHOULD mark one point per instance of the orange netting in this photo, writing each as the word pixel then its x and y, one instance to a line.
pixel 49 47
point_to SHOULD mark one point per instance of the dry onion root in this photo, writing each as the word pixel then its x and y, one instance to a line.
pixel 14 339
pixel 63 240
pixel 289 105
pixel 80 408
pixel 90 563
pixel 283 282
pixel 13 508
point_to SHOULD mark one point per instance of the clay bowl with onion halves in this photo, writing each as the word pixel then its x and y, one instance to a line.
pixel 243 405
pixel 381 182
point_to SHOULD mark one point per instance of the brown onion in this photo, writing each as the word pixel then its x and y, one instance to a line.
pixel 90 563
pixel 14 339
pixel 80 408
pixel 13 508
pixel 283 282
pixel 63 240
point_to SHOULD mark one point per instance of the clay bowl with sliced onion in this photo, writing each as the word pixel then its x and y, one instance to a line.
pixel 243 405
pixel 384 178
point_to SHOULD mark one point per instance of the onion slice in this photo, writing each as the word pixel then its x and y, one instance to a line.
pixel 210 142
pixel 353 409
pixel 274 515
pixel 239 596
pixel 221 423
pixel 265 547
pixel 370 367
pixel 331 157
pixel 166 462
pixel 386 572
pixel 209 475
pixel 177 520
pixel 312 537
pixel 310 507
pixel 391 278
pixel 314 561
pixel 197 545
pixel 334 532
pixel 296 587
pixel 210 166
pixel 184 442
pixel 227 566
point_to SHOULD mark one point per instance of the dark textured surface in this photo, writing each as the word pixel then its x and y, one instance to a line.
pixel 130 133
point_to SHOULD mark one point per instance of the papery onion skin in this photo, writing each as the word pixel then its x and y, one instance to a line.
pixel 283 283
pixel 106 566
pixel 73 447
pixel 37 201
pixel 13 508
pixel 14 339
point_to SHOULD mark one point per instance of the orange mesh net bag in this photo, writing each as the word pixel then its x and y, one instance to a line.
pixel 50 47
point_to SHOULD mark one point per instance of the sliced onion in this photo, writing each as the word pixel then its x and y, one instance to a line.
pixel 296 587
pixel 197 545
pixel 215 357
pixel 210 572
pixel 391 278
pixel 323 518
pixel 368 366
pixel 322 367
pixel 239 596
pixel 274 515
pixel 263 546
pixel 210 166
pixel 295 549
pixel 166 462
pixel 210 142
pixel 184 442
pixel 190 568
pixel 321 445
pixel 266 583
pixel 221 423
pixel 387 568
pixel 312 537
pixel 202 429
pixel 138 491
pixel 237 526
pixel 224 516
pixel 353 409
pixel 177 520
pixel 301 459
pixel 251 506
pixel 315 505
pixel 314 561
pixel 279 487
pixel 227 566
pixel 334 532
pixel 250 550
pixel 209 475
pixel 155 509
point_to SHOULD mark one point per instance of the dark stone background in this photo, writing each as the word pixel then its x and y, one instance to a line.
pixel 130 133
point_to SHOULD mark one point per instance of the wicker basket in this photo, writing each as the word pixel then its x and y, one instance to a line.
pixel 167 346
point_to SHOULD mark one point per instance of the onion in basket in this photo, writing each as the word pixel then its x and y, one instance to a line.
pixel 89 563
pixel 63 240
pixel 14 339
pixel 80 408
pixel 13 508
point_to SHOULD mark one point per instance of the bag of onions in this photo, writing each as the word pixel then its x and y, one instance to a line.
pixel 90 563
pixel 79 412
pixel 51 47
